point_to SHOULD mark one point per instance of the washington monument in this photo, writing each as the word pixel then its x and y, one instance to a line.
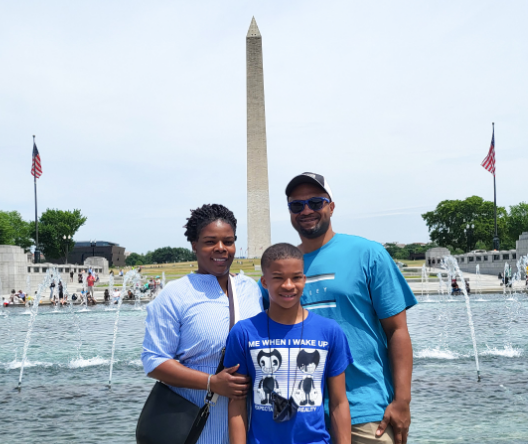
pixel 259 231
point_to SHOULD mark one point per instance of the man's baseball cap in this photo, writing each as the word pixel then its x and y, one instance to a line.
pixel 313 178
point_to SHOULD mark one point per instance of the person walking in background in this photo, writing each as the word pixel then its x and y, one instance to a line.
pixel 356 282
pixel 90 281
pixel 80 277
pixel 61 292
pixel 52 289
pixel 71 276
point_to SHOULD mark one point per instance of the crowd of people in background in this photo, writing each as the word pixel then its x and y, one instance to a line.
pixel 88 278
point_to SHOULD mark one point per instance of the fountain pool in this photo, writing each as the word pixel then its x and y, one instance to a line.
pixel 65 396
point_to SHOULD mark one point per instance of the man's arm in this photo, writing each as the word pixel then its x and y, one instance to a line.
pixel 237 421
pixel 339 410
pixel 398 412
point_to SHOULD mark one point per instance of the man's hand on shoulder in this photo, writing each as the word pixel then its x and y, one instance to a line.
pixel 397 414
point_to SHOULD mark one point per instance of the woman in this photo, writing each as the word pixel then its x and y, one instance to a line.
pixel 188 323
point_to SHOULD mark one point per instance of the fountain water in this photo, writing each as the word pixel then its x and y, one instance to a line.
pixel 425 281
pixel 84 294
pixel 522 269
pixel 163 280
pixel 136 289
pixel 132 277
pixel 454 270
pixel 440 283
pixel 76 321
pixel 478 291
pixel 2 312
pixel 512 303
pixel 507 286
pixel 34 311
pixel 28 289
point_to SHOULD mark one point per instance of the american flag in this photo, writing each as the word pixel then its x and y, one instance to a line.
pixel 489 161
pixel 36 167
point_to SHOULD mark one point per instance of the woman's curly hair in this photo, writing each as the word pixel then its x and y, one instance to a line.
pixel 206 214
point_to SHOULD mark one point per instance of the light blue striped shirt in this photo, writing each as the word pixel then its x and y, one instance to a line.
pixel 189 321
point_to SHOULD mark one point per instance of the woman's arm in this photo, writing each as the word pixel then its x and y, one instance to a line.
pixel 339 410
pixel 224 383
pixel 237 421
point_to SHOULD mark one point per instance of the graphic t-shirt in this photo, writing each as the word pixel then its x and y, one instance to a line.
pixel 356 282
pixel 295 363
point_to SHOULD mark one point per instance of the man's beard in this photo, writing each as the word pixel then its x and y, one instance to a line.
pixel 319 230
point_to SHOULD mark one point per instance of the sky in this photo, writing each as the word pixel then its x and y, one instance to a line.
pixel 139 110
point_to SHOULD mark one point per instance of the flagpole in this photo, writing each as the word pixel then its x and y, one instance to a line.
pixel 496 243
pixel 37 252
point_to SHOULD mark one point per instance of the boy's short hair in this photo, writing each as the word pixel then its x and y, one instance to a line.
pixel 279 251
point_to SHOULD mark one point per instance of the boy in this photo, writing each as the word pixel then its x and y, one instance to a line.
pixel 289 354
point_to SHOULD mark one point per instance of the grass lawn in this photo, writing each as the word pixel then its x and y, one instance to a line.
pixel 180 269
pixel 418 263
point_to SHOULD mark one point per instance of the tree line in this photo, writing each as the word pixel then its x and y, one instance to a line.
pixel 161 256
pixel 406 252
pixel 56 229
pixel 466 225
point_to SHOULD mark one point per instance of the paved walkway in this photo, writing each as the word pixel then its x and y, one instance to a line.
pixel 485 284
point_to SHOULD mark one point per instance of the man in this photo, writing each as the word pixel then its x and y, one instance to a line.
pixel 356 282
pixel 52 289
pixel 90 280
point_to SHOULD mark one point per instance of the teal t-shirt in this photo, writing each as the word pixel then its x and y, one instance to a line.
pixel 355 282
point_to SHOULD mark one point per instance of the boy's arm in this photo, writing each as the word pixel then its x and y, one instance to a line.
pixel 237 421
pixel 339 410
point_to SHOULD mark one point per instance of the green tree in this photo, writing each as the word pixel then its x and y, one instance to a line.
pixel 147 258
pixel 53 226
pixel 183 255
pixel 517 221
pixel 14 230
pixel 392 249
pixel 448 223
pixel 134 259
pixel 163 255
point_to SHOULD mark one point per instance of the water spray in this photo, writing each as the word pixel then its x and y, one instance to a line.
pixel 33 315
pixel 454 270
pixel 132 275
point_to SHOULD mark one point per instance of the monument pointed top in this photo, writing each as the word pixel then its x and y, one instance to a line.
pixel 253 29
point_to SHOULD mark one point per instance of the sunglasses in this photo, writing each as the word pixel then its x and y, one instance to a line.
pixel 314 203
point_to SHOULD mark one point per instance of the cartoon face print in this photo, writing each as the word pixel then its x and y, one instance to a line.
pixel 307 361
pixel 269 362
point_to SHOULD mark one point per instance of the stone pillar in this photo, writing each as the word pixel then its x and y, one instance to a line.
pixel 98 261
pixel 13 269
pixel 259 230
pixel 522 245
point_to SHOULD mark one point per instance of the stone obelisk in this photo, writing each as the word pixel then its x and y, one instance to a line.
pixel 259 231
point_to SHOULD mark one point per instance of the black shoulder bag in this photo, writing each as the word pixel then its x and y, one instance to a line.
pixel 168 418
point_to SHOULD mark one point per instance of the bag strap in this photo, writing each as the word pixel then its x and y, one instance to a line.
pixel 234 317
